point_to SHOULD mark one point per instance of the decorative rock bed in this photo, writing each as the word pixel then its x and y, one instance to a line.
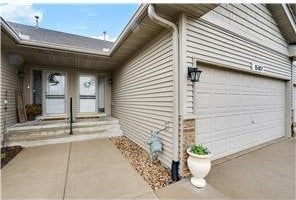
pixel 8 153
pixel 156 175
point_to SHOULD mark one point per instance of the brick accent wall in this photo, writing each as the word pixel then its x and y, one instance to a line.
pixel 187 138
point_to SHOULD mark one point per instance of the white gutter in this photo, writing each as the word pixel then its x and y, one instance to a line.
pixel 293 89
pixel 290 17
pixel 59 47
pixel 129 28
pixel 175 37
pixel 10 30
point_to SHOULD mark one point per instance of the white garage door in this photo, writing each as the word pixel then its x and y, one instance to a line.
pixel 236 111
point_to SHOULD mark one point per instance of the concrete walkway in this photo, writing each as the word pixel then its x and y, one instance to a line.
pixel 96 170
pixel 93 169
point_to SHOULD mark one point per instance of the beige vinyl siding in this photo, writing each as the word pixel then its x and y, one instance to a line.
pixel 251 21
pixel 142 95
pixel 209 43
pixel 27 85
pixel 11 83
pixel 108 94
pixel 294 74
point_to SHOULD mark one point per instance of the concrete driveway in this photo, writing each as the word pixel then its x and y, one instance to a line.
pixel 266 173
pixel 93 169
pixel 96 170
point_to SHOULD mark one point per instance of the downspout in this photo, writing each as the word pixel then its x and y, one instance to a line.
pixel 293 97
pixel 175 40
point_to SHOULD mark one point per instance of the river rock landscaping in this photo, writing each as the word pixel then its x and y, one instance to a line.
pixel 155 174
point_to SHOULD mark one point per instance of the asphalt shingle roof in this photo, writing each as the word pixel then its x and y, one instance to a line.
pixel 61 38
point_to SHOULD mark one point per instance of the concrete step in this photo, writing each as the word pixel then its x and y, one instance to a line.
pixel 18 136
pixel 95 129
pixel 35 131
pixel 53 125
pixel 62 128
pixel 64 139
pixel 48 133
pixel 87 123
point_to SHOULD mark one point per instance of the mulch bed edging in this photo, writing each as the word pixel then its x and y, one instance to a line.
pixel 156 175
pixel 8 153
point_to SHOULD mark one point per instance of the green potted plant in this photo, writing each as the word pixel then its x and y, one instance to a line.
pixel 199 164
pixel 33 110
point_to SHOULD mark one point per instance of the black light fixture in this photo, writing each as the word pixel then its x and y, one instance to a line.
pixel 110 81
pixel 194 74
pixel 52 78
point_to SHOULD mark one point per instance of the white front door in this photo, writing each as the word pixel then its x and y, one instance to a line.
pixel 55 89
pixel 87 93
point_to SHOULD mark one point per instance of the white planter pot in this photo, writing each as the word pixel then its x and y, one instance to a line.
pixel 199 166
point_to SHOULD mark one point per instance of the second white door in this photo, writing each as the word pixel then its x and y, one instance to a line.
pixel 87 94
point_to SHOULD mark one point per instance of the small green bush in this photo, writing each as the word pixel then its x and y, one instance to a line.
pixel 32 110
pixel 199 150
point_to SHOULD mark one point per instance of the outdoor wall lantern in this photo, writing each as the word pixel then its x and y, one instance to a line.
pixel 110 81
pixel 52 78
pixel 5 102
pixel 194 74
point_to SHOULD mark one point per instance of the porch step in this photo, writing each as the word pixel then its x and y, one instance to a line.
pixel 63 139
pixel 52 118
pixel 41 130
pixel 89 115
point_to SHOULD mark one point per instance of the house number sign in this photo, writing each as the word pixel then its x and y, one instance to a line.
pixel 257 67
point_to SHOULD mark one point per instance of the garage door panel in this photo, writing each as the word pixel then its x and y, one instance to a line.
pixel 234 143
pixel 221 123
pixel 237 110
pixel 204 126
pixel 220 99
pixel 205 87
pixel 234 121
pixel 219 146
pixel 205 100
pixel 234 100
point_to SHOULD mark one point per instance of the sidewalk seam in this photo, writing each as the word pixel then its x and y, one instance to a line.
pixel 67 171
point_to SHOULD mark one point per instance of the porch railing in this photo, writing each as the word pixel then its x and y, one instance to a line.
pixel 71 117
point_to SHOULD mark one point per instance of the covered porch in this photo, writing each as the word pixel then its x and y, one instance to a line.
pixel 51 78
pixel 56 86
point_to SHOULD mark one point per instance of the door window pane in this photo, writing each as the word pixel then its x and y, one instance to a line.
pixel 55 93
pixel 87 93
pixel 101 93
pixel 37 87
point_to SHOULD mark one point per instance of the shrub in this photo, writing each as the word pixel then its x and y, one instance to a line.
pixel 199 150
pixel 32 110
